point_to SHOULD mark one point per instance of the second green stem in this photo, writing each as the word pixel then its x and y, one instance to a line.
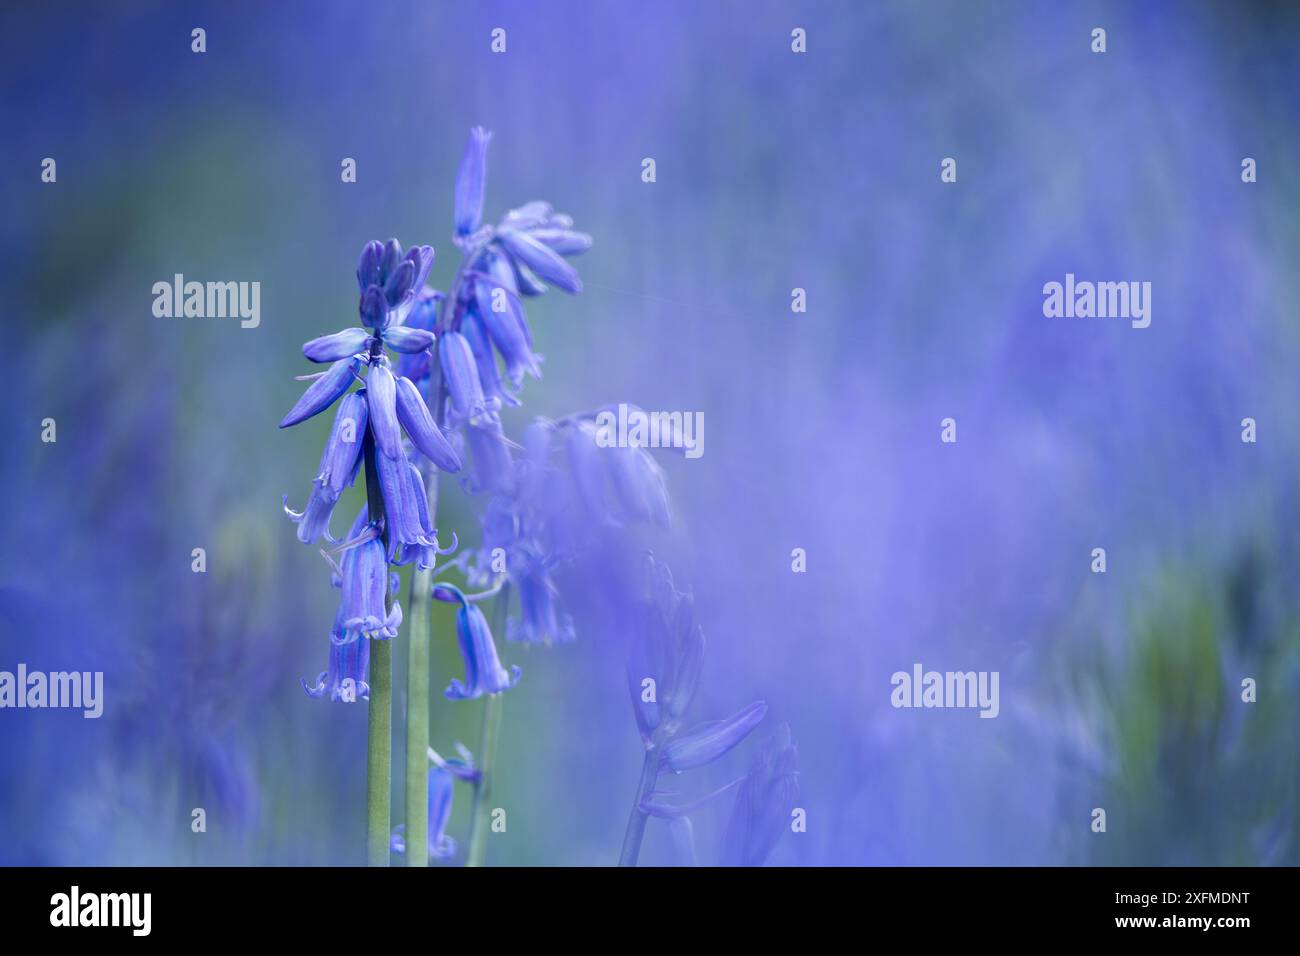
pixel 487 745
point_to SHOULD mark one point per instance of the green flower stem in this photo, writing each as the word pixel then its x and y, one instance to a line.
pixel 417 700
pixel 379 738
pixel 487 746
pixel 637 818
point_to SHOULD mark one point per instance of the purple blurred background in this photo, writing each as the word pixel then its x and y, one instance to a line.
pixel 775 170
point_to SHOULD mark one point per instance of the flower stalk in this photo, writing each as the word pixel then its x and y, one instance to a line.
pixel 487 750
pixel 636 820
pixel 417 680
pixel 417 705
pixel 379 736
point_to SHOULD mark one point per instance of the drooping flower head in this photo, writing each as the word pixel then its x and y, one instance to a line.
pixel 764 802
pixel 550 499
pixel 483 315
pixel 442 778
pixel 387 409
pixel 665 660
pixel 483 671
pixel 667 647
pixel 349 665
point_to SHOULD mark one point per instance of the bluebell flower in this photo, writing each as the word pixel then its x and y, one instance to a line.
pixel 423 315
pixel 764 801
pixel 442 778
pixel 586 470
pixel 547 264
pixel 499 534
pixel 539 622
pixel 708 742
pixel 410 341
pixel 518 256
pixel 564 241
pixel 667 646
pixel 483 671
pixel 339 345
pixel 381 399
pixel 502 315
pixel 364 582
pixel 413 415
pixel 485 360
pixel 639 486
pixel 470 182
pixel 389 281
pixel 349 664
pixel 491 468
pixel 411 535
pixel 339 464
pixel 323 392
pixel 665 659
pixel 441 793
pixel 460 377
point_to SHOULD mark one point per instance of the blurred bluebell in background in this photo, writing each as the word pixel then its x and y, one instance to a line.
pixel 774 171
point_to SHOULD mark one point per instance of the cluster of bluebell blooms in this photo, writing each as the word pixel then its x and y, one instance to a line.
pixel 389 415
pixel 482 316
pixel 556 495
pixel 665 661
pixel 423 411
pixel 434 406
pixel 443 773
